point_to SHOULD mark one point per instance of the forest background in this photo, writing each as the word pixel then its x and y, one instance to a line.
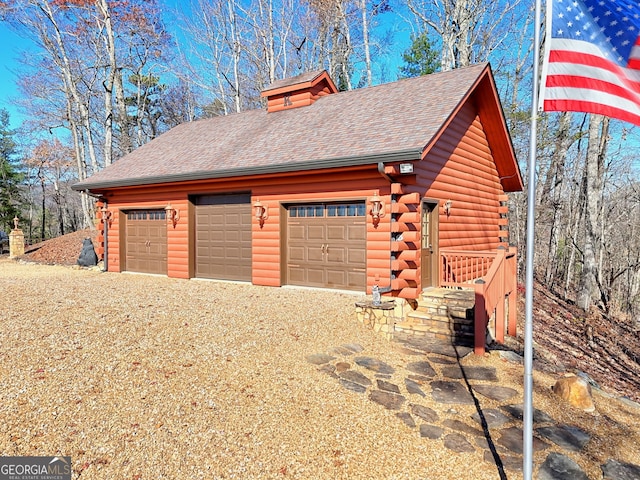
pixel 99 78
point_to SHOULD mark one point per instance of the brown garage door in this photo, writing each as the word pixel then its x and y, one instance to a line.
pixel 326 245
pixel 223 237
pixel 146 241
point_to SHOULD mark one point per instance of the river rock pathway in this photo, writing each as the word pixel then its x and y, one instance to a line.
pixel 438 379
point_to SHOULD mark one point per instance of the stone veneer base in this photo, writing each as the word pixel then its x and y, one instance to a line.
pixel 379 318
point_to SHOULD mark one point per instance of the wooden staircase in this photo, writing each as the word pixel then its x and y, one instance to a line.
pixel 442 314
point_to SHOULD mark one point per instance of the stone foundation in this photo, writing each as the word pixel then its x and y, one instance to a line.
pixel 379 318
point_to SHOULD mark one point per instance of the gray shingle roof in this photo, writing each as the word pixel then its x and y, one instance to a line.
pixel 393 121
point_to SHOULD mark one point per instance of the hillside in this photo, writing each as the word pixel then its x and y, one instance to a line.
pixel 62 250
pixel 565 339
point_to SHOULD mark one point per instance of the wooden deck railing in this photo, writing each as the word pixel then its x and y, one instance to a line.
pixel 461 268
pixel 492 275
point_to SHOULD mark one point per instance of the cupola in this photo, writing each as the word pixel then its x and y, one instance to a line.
pixel 299 91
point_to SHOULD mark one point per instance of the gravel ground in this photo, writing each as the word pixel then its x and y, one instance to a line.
pixel 140 377
pixel 147 377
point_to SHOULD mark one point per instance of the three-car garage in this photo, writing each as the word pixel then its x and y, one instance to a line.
pixel 324 242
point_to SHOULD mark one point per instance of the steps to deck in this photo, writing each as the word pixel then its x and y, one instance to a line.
pixel 442 314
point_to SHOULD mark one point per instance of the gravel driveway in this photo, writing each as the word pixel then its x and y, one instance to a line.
pixel 144 377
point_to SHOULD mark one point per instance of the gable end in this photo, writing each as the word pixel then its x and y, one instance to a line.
pixel 300 91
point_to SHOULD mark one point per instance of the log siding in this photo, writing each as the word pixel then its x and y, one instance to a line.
pixel 460 167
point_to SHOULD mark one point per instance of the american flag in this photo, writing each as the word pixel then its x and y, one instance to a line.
pixel 592 58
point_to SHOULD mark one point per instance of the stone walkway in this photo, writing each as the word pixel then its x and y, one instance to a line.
pixel 438 375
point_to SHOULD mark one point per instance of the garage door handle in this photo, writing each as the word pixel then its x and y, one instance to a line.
pixel 322 248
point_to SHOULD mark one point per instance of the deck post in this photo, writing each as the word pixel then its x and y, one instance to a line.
pixel 479 320
pixel 512 298
pixel 500 319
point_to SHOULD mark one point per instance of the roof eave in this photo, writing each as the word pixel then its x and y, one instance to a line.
pixel 340 162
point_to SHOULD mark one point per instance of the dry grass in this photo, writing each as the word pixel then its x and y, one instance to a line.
pixel 139 377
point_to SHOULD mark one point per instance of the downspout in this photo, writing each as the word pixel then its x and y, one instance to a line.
pixel 105 221
pixel 385 174
pixel 391 180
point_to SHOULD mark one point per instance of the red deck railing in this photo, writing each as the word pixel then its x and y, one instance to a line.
pixel 461 268
pixel 493 277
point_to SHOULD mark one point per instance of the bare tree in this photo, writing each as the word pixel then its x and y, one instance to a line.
pixel 369 12
pixel 550 198
pixel 593 187
pixel 210 56
pixel 333 40
pixel 49 166
pixel 230 50
pixel 84 90
pixel 179 105
pixel 45 22
pixel 470 30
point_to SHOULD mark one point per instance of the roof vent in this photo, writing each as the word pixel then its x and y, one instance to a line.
pixel 298 91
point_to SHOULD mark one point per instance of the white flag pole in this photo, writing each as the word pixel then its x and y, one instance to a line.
pixel 527 446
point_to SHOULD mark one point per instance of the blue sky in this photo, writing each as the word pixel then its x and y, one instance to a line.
pixel 11 45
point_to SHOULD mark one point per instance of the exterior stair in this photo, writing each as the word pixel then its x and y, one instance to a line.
pixel 442 314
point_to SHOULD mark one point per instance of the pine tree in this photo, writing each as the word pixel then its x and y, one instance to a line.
pixel 9 176
pixel 420 58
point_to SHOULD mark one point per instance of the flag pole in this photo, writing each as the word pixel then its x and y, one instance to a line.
pixel 527 446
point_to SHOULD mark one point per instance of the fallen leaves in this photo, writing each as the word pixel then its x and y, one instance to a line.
pixel 63 250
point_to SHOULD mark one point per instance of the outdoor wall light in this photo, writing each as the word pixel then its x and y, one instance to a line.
pixel 377 207
pixel 173 215
pixel 406 168
pixel 447 207
pixel 105 214
pixel 260 211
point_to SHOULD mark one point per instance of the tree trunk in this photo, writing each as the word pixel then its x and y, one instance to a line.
pixel 593 185
pixel 341 48
pixel 235 48
pixel 81 166
pixel 57 197
pixel 43 216
pixel 108 83
pixel 365 38
pixel 550 199
pixel 74 101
